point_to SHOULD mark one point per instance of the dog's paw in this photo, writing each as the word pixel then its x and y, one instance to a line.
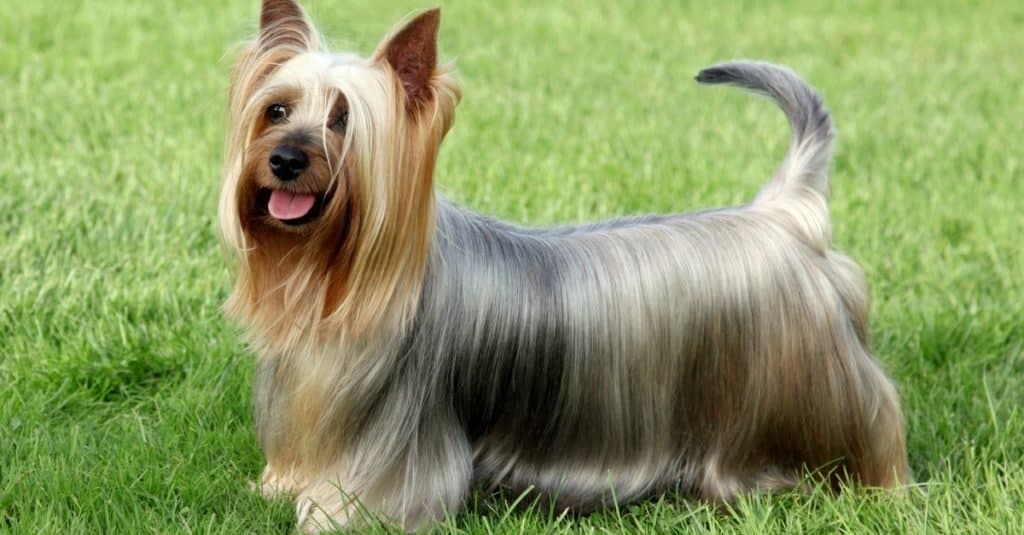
pixel 275 484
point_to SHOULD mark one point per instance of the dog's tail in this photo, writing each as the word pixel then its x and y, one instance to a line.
pixel 805 167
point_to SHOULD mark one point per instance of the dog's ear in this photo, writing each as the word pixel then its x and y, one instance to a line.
pixel 283 25
pixel 412 54
pixel 285 32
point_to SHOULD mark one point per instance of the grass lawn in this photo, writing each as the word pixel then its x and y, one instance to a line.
pixel 124 394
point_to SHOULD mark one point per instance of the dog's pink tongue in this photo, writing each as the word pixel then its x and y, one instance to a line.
pixel 287 205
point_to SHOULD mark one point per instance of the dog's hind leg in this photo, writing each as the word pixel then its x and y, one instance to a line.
pixel 883 462
pixel 885 458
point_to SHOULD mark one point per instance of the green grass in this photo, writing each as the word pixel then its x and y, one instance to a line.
pixel 124 395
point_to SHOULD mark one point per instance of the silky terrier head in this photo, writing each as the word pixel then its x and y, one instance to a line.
pixel 329 167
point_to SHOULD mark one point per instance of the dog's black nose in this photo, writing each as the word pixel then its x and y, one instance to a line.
pixel 288 162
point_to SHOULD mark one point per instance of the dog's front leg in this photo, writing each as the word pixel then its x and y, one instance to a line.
pixel 427 480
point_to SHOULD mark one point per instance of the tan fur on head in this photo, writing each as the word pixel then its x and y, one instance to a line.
pixel 410 348
pixel 359 265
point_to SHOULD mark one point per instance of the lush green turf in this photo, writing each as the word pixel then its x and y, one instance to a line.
pixel 124 394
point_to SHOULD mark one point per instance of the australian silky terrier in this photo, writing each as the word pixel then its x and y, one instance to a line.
pixel 410 349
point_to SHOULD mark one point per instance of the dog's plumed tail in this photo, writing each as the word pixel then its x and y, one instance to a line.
pixel 803 175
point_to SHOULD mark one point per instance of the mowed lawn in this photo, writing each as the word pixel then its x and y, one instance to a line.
pixel 124 394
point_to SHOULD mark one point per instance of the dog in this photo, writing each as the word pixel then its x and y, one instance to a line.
pixel 411 350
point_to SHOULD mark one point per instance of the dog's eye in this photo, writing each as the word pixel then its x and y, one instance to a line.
pixel 277 113
pixel 341 122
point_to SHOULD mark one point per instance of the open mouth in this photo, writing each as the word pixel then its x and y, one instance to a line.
pixel 292 208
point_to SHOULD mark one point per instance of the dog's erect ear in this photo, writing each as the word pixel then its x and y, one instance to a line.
pixel 412 53
pixel 284 24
